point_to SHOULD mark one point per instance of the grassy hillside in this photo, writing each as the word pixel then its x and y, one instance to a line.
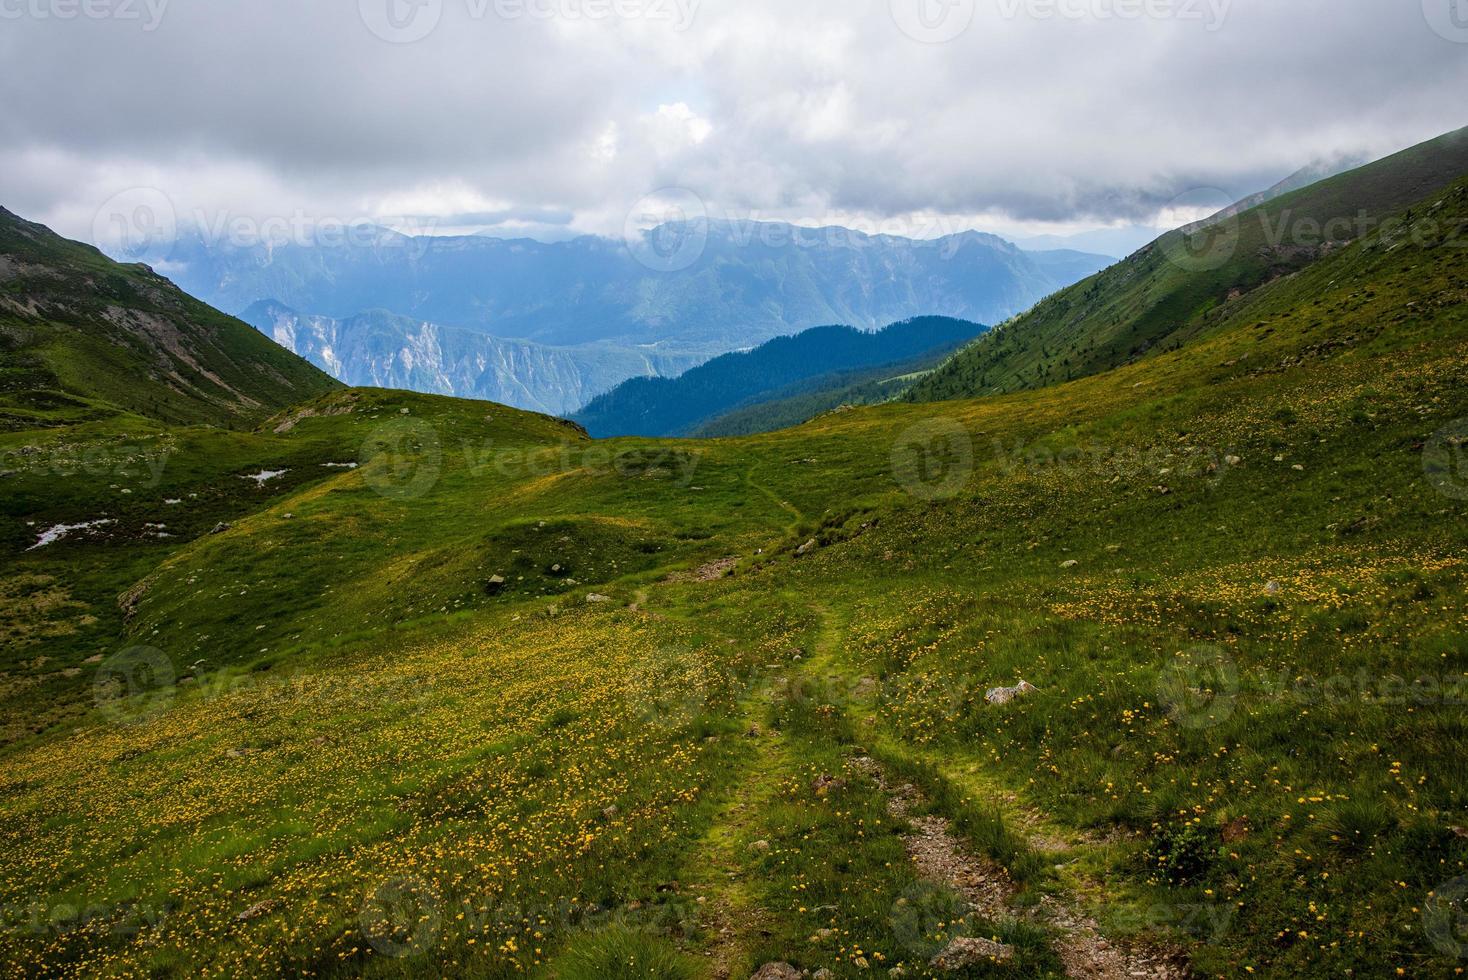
pixel 1187 282
pixel 506 701
pixel 83 337
pixel 679 406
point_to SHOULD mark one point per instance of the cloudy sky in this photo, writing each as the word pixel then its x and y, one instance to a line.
pixel 558 116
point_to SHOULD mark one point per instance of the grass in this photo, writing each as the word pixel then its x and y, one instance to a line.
pixel 1231 571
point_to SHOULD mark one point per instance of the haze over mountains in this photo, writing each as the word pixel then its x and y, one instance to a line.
pixel 433 313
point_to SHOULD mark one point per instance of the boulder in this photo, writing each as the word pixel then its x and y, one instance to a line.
pixel 967 952
pixel 596 599
pixel 1004 695
pixel 777 971
pixel 806 548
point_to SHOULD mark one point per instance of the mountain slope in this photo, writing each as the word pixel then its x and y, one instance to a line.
pixel 384 350
pixel 83 334
pixel 1175 288
pixel 808 398
pixel 750 282
pixel 503 701
pixel 678 406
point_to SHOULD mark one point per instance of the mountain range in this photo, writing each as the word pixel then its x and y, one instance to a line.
pixel 600 311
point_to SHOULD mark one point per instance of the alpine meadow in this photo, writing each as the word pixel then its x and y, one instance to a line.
pixel 1126 636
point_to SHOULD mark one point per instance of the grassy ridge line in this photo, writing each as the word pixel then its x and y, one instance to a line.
pixel 1167 293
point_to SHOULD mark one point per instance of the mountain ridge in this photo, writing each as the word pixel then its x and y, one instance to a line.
pixel 84 334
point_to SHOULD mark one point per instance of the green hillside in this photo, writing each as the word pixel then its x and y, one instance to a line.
pixel 83 337
pixel 507 701
pixel 1191 280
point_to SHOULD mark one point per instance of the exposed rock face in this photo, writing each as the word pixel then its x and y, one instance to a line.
pixel 383 350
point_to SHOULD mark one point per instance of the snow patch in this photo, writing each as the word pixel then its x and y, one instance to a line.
pixel 54 534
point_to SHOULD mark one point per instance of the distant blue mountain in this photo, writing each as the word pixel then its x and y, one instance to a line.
pixel 774 370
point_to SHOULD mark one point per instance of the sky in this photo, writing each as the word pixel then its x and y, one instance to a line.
pixel 551 118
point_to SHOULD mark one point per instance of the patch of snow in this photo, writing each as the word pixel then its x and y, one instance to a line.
pixel 54 534
pixel 341 466
pixel 265 476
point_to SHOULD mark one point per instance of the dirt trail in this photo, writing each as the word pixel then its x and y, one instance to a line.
pixel 942 858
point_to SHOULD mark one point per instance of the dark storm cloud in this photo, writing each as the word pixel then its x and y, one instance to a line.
pixel 527 110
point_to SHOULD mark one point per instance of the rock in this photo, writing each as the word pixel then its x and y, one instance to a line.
pixel 1459 832
pixel 596 599
pixel 1298 468
pixel 495 585
pixel 825 974
pixel 611 811
pixel 966 952
pixel 806 548
pixel 776 971
pixel 1069 564
pixel 1273 588
pixel 219 528
pixel 1232 460
pixel 760 847
pixel 1004 695
pixel 254 911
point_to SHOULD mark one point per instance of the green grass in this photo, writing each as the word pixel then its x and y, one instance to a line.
pixel 1248 734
